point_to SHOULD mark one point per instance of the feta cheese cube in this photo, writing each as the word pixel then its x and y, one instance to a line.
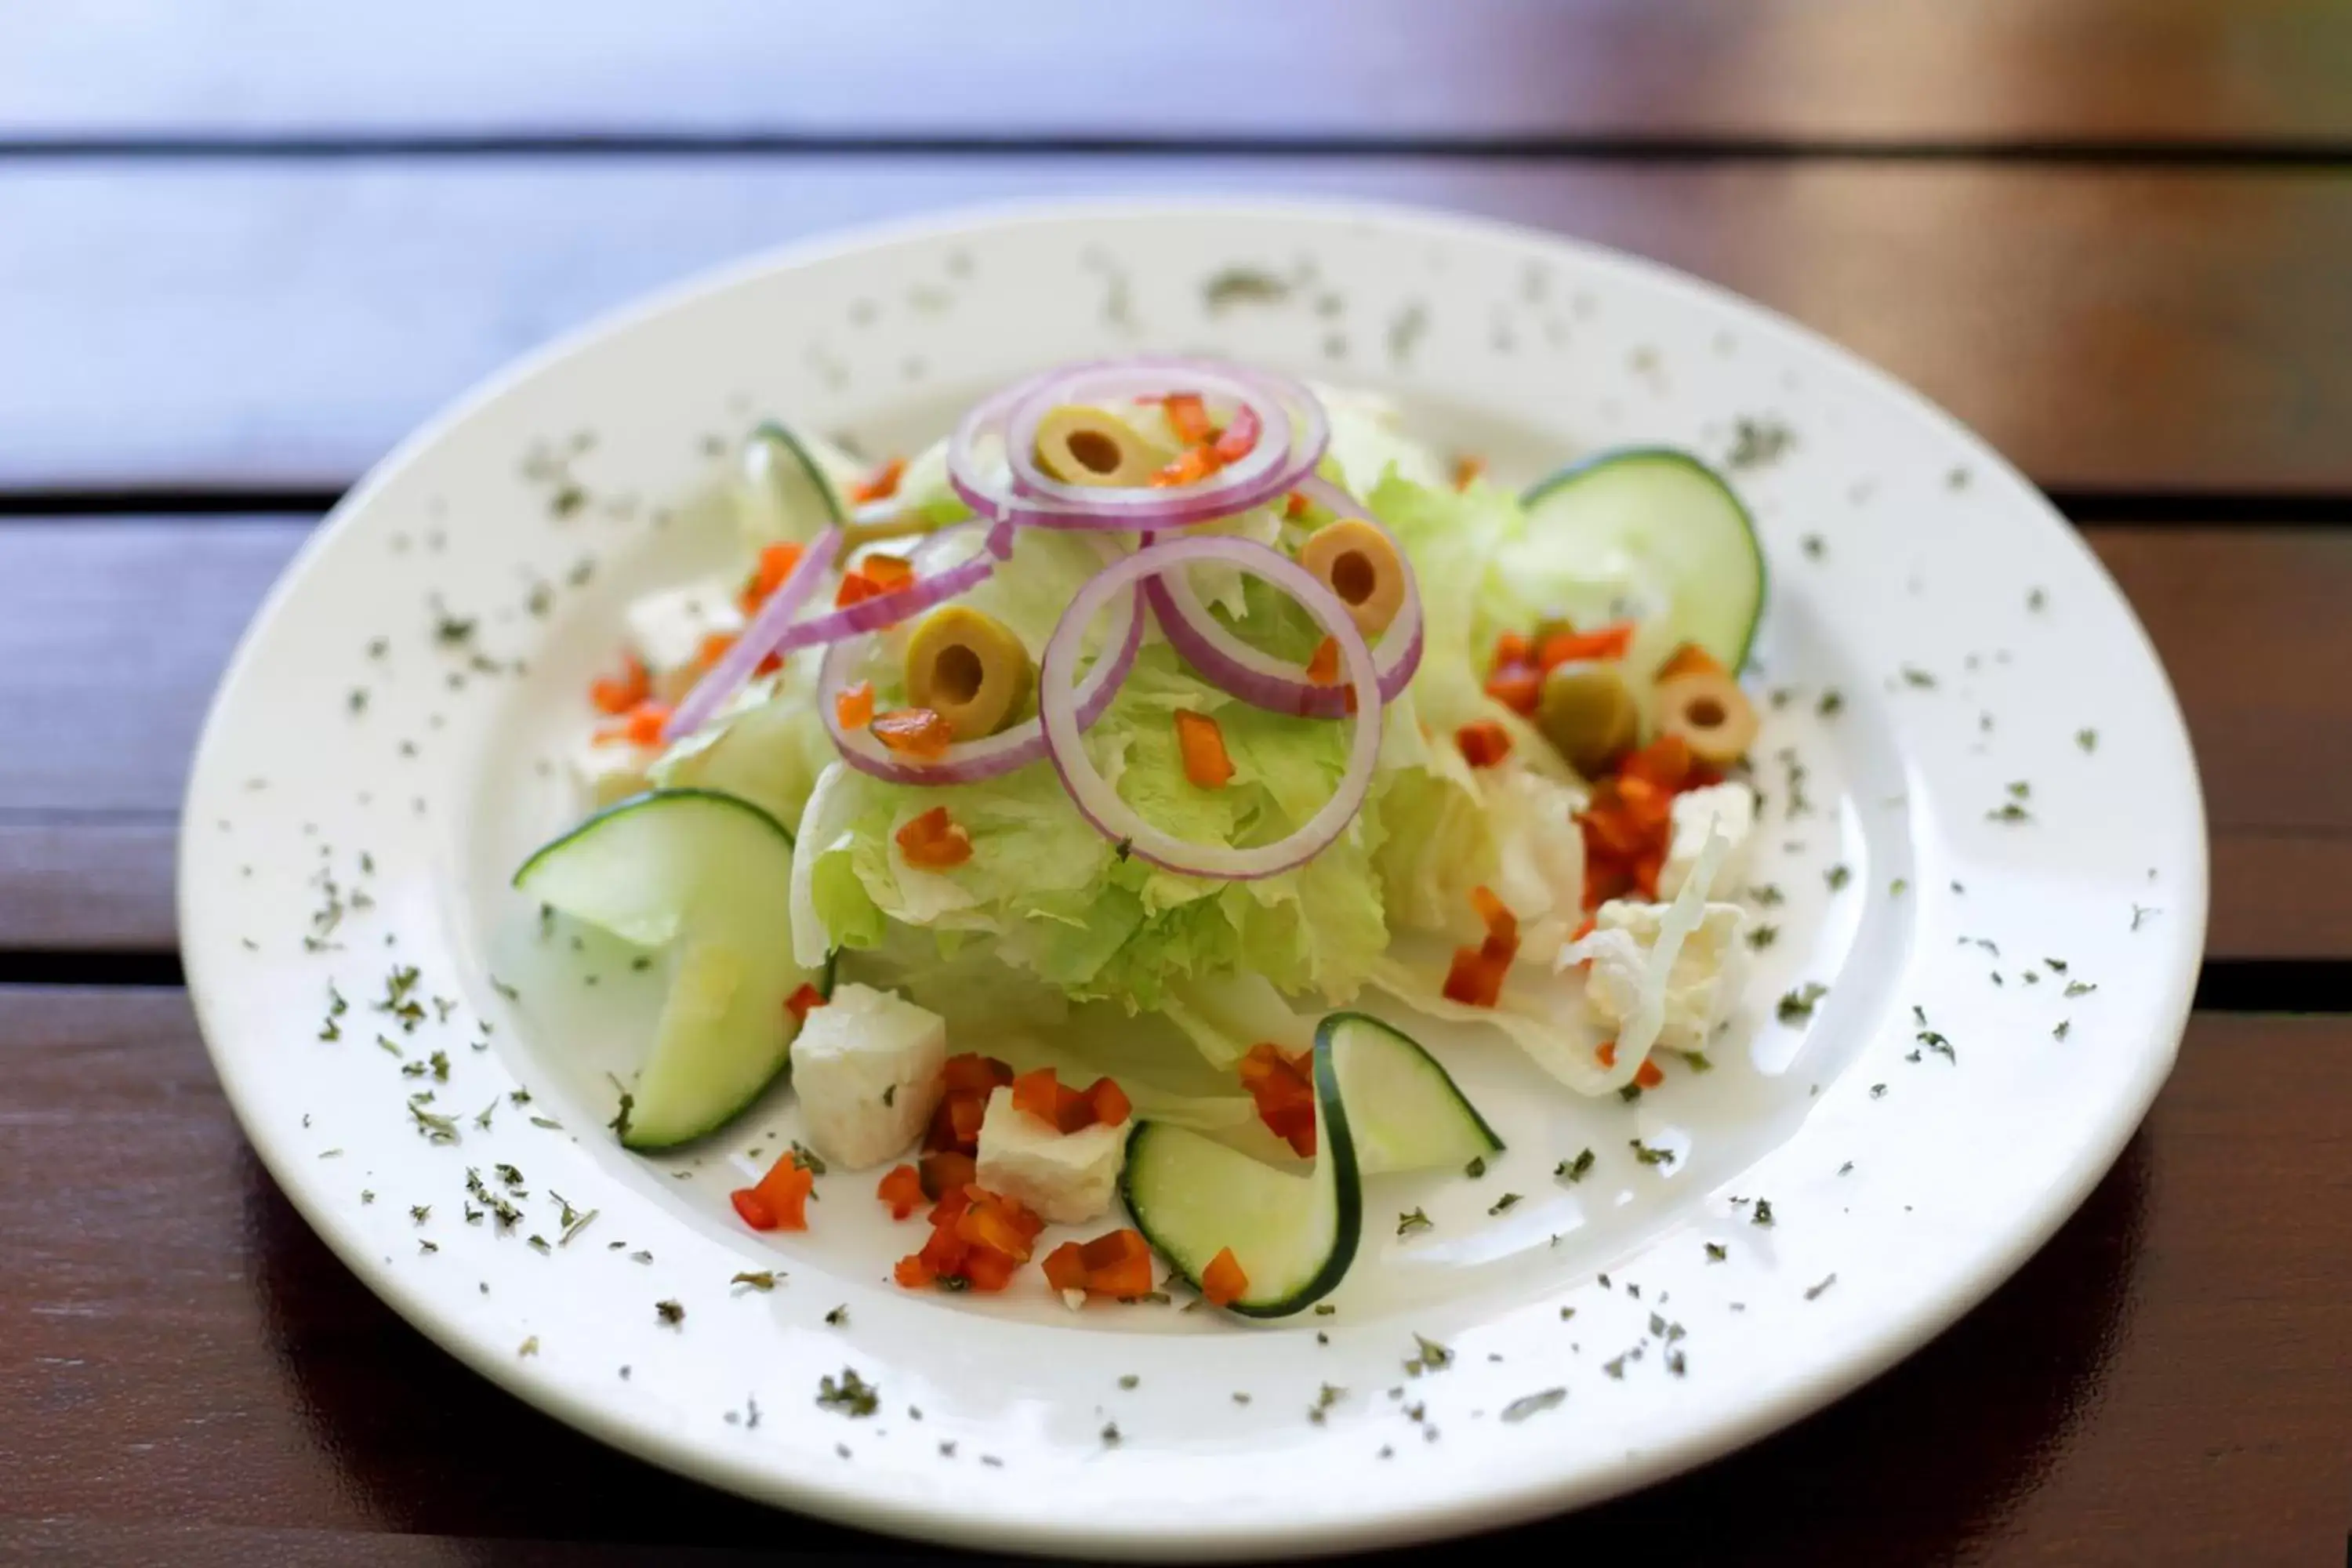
pixel 1065 1177
pixel 609 771
pixel 1729 805
pixel 665 630
pixel 870 1068
pixel 1701 987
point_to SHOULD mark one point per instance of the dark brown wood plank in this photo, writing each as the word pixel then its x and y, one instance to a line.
pixel 112 634
pixel 2005 72
pixel 182 1359
pixel 241 323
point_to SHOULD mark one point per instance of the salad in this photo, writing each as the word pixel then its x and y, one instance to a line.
pixel 1048 806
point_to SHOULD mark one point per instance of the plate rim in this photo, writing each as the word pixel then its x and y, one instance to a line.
pixel 1892 1337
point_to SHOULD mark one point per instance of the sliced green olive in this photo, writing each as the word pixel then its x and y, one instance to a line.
pixel 1586 710
pixel 1082 446
pixel 967 667
pixel 1710 712
pixel 1359 564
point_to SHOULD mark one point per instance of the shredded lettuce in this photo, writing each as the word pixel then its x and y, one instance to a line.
pixel 1046 915
pixel 765 746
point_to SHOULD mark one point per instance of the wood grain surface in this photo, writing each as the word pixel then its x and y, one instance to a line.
pixel 113 635
pixel 2003 73
pixel 247 245
pixel 185 1369
pixel 259 324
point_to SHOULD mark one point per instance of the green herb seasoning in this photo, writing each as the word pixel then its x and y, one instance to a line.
pixel 1717 1252
pixel 1243 286
pixel 1527 1405
pixel 1574 1169
pixel 850 1396
pixel 1756 443
pixel 1413 1220
pixel 669 1313
pixel 1504 1204
pixel 1797 1007
pixel 1650 1155
pixel 757 1280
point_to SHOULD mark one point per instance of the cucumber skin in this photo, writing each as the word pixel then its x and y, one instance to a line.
pixel 770 430
pixel 824 982
pixel 636 802
pixel 1584 467
pixel 1337 1143
pixel 1494 1139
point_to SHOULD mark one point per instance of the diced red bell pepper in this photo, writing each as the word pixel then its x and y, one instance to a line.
pixel 779 1201
pixel 1483 743
pixel 1222 1281
pixel 902 1189
pixel 933 841
pixel 918 732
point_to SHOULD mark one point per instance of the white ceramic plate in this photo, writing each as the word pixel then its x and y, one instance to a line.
pixel 2007 787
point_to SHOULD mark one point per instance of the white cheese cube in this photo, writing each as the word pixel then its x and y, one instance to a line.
pixel 665 630
pixel 1729 805
pixel 1066 1178
pixel 609 771
pixel 1701 987
pixel 870 1068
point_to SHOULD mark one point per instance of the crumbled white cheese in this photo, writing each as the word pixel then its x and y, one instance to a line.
pixel 869 1069
pixel 1066 1178
pixel 608 771
pixel 665 630
pixel 1700 988
pixel 1729 806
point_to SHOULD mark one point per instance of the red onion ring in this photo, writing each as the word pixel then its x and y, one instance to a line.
pixel 968 762
pixel 1286 449
pixel 1094 795
pixel 888 609
pixel 758 640
pixel 1259 678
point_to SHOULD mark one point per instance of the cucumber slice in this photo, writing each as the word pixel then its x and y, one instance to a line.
pixel 709 877
pixel 1676 516
pixel 1294 1235
pixel 791 493
pixel 1404 1110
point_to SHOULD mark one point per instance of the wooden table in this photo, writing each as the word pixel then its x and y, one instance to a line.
pixel 244 247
